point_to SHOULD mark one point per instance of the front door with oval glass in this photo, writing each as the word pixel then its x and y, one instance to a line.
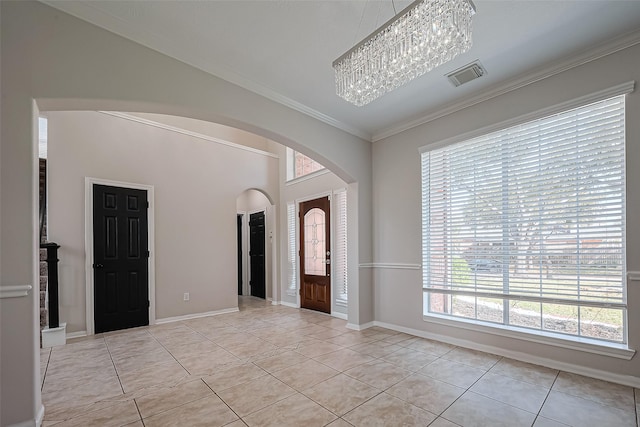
pixel 315 255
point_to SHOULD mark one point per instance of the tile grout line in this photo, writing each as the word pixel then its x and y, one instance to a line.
pixel 222 400
pixel 339 372
pixel 139 413
pixel 46 369
pixel 106 344
pixel 170 353
pixel 340 416
pixel 468 389
pixel 383 391
pixel 635 401
pixel 547 397
pixel 378 340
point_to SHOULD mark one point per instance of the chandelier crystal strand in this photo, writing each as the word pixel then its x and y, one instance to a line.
pixel 426 34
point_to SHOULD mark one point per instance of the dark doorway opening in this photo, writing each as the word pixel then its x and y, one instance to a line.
pixel 257 254
pixel 239 222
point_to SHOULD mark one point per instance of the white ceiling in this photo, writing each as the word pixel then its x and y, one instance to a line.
pixel 284 49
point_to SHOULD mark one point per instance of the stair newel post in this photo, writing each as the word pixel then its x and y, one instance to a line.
pixel 52 267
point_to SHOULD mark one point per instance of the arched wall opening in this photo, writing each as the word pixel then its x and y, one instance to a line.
pixel 257 260
pixel 55 62
pixel 194 174
pixel 56 106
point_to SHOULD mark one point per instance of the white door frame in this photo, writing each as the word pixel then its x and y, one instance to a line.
pixel 245 251
pixel 88 245
pixel 270 236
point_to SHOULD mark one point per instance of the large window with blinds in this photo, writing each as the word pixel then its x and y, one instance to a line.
pixel 525 227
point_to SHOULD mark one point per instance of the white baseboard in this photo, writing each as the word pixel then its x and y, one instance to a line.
pixel 36 422
pixel 53 337
pixel 627 380
pixel 289 304
pixel 195 315
pixel 77 334
pixel 40 416
pixel 360 327
pixel 339 315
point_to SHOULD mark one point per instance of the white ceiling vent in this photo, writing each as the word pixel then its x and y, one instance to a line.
pixel 467 73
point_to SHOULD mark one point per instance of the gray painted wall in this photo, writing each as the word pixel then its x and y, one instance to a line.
pixel 196 185
pixel 397 237
pixel 54 62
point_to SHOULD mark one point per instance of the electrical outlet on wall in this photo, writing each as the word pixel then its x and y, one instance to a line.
pixel 186 296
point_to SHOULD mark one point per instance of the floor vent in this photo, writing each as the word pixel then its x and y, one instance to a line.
pixel 467 73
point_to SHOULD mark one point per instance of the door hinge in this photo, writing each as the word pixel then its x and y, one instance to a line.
pixel 148 303
pixel 147 204
pixel 147 254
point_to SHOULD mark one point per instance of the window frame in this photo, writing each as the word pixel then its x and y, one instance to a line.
pixel 291 177
pixel 593 345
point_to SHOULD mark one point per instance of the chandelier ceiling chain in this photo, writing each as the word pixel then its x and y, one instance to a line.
pixel 422 36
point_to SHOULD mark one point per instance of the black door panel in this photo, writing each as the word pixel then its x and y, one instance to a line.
pixel 120 249
pixel 256 254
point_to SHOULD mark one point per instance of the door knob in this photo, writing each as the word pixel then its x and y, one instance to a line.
pixel 98 266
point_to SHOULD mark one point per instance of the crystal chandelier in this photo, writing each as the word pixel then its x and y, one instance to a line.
pixel 422 36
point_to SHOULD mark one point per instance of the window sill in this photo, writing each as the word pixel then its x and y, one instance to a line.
pixel 619 351
pixel 307 176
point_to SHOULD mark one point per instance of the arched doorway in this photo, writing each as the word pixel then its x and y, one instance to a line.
pixel 256 243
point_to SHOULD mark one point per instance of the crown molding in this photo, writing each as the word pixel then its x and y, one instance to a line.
pixel 92 14
pixel 601 50
pixel 95 16
pixel 159 125
pixel 288 102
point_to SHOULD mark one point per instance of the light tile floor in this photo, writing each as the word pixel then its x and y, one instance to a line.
pixel 276 366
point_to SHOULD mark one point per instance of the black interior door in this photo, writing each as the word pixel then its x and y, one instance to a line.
pixel 239 220
pixel 256 254
pixel 120 248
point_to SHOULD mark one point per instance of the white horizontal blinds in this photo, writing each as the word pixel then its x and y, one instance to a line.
pixel 291 249
pixel 340 248
pixel 533 212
